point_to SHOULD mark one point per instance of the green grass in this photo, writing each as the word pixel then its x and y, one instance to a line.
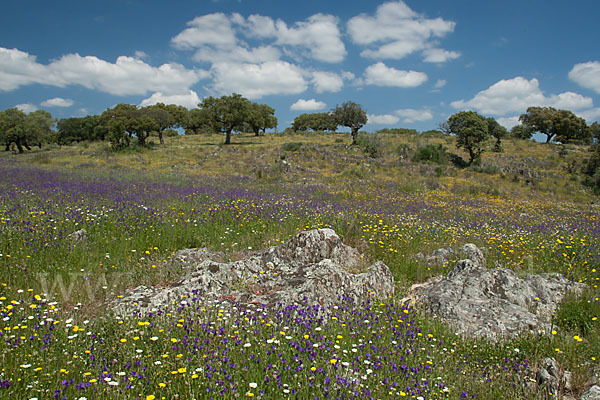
pixel 390 209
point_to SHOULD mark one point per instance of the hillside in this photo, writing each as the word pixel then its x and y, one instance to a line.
pixel 526 207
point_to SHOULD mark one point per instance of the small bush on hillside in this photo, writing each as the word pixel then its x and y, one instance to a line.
pixel 371 145
pixel 291 146
pixel 403 150
pixel 458 161
pixel 431 153
pixel 592 171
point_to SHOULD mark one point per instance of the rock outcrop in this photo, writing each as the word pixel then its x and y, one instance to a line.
pixel 492 303
pixel 312 267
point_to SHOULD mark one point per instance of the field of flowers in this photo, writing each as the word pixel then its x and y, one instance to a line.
pixel 58 341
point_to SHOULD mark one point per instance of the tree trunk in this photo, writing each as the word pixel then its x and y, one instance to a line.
pixel 160 137
pixel 354 137
pixel 7 146
pixel 256 131
pixel 27 146
pixel 228 136
pixel 18 143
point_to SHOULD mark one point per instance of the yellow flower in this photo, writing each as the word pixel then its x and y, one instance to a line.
pixel 162 385
pixel 333 361
pixel 150 397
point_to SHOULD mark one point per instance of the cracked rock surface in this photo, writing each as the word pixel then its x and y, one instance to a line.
pixel 312 267
pixel 492 303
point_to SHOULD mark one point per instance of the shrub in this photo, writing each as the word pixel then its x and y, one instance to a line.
pixel 431 153
pixel 371 145
pixel 291 146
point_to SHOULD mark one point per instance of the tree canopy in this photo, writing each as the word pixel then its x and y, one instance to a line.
pixel 558 125
pixel 351 115
pixel 471 130
pixel 22 129
pixel 315 122
pixel 228 113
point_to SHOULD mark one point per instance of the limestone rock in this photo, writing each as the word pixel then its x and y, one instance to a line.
pixel 593 393
pixel 439 256
pixel 492 303
pixel 189 257
pixel 79 236
pixel 312 267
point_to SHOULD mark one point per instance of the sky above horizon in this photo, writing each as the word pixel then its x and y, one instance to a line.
pixel 410 64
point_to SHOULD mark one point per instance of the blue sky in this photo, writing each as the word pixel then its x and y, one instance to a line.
pixel 410 64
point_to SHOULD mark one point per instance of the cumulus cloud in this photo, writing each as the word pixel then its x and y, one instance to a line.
pixel 57 102
pixel 214 29
pixel 396 31
pixel 127 76
pixel 587 75
pixel 590 115
pixel 439 55
pixel 188 100
pixel 381 75
pixel 217 38
pixel 386 119
pixel 308 105
pixel 257 80
pixel 410 115
pixel 509 122
pixel 318 36
pixel 327 81
pixel 515 95
pixel 26 107
pixel 236 53
pixel 439 84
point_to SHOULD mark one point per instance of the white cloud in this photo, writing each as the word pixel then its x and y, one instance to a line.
pixel 216 38
pixel 18 68
pixel 515 95
pixel 440 84
pixel 410 115
pixel 327 81
pixel 397 31
pixel 141 55
pixel 257 80
pixel 57 102
pixel 587 75
pixel 188 100
pixel 214 29
pixel 439 55
pixel 127 76
pixel 27 107
pixel 236 54
pixel 386 119
pixel 590 115
pixel 509 122
pixel 319 36
pixel 381 75
pixel 308 105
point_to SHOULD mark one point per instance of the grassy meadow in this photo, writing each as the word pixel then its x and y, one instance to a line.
pixel 526 207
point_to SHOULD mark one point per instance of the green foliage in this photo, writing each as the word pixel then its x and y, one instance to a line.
pixel 524 132
pixel 403 150
pixel 558 125
pixel 228 113
pixel 22 129
pixel 315 122
pixel 398 131
pixel 291 146
pixel 471 130
pixel 351 115
pixel 592 170
pixel 431 153
pixel 371 144
pixel 72 130
pixel 575 315
pixel 261 117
